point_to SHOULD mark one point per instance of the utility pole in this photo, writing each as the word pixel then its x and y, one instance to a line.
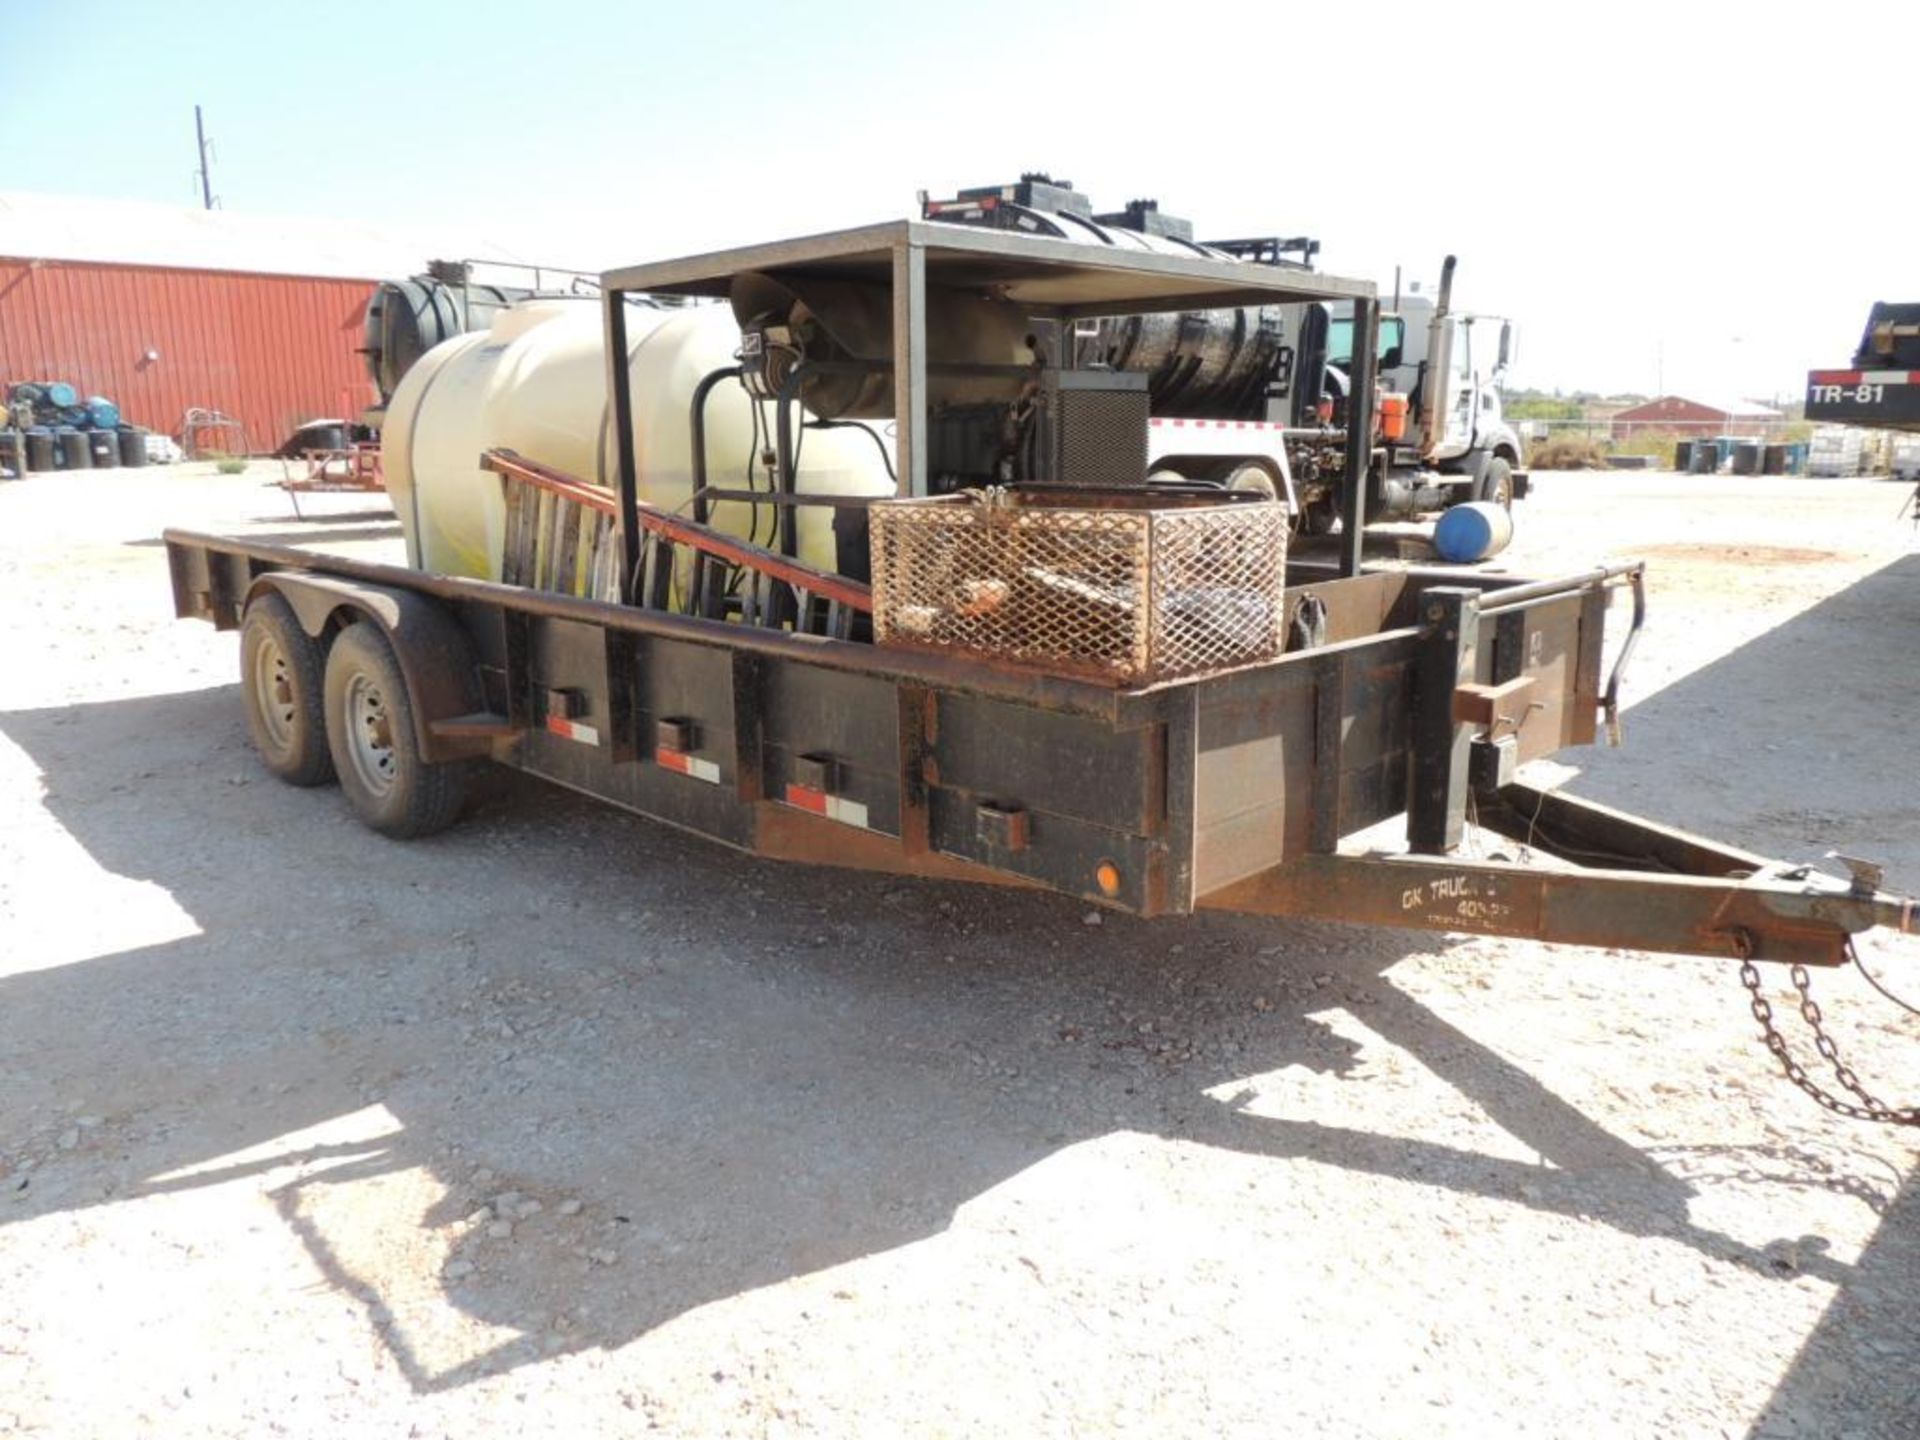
pixel 205 174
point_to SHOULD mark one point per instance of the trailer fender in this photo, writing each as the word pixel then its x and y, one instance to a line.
pixel 443 680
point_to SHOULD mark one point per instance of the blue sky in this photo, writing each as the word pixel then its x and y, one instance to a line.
pixel 1708 196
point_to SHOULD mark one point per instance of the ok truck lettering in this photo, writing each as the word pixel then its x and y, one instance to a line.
pixel 1457 898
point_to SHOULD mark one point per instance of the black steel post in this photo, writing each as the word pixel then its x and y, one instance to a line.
pixel 626 479
pixel 1437 778
pixel 703 601
pixel 786 463
pixel 697 424
pixel 1353 480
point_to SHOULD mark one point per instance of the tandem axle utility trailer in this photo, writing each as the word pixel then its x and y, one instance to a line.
pixel 727 688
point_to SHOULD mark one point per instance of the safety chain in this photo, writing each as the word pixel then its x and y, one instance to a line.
pixel 1870 1108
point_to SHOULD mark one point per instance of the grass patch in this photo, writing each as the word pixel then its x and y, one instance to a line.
pixel 1657 443
pixel 1568 452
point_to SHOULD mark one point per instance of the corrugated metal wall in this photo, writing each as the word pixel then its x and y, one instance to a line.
pixel 269 350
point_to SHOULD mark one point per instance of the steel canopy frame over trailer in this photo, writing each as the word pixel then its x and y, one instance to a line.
pixel 1419 695
pixel 1054 280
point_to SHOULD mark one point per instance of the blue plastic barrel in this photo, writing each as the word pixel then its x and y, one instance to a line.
pixel 102 413
pixel 1471 532
pixel 61 394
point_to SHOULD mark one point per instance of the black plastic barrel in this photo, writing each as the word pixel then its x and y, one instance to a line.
pixel 1683 456
pixel 1706 457
pixel 315 435
pixel 1746 458
pixel 42 453
pixel 75 453
pixel 105 445
pixel 133 445
pixel 12 452
pixel 1774 460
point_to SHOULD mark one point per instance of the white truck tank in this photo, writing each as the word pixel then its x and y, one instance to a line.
pixel 536 383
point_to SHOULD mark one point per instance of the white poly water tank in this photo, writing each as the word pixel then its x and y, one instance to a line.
pixel 536 383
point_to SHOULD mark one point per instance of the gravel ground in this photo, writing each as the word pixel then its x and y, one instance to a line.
pixel 566 1124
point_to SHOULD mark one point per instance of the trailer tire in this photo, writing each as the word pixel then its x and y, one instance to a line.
pixel 1497 484
pixel 370 732
pixel 281 688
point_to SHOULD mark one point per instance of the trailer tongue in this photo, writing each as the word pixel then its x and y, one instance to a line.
pixel 734 689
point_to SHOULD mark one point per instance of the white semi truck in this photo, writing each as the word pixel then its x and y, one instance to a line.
pixel 1256 399
pixel 1464 435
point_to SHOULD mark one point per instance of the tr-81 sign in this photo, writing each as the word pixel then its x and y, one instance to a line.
pixel 1865 397
pixel 1861 394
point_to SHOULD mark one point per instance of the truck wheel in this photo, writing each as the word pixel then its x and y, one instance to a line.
pixel 280 689
pixel 1253 479
pixel 1497 484
pixel 370 732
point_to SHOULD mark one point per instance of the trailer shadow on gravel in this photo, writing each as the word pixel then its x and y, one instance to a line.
pixel 1828 698
pixel 740 1072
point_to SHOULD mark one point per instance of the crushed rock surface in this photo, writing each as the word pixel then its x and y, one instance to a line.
pixel 564 1123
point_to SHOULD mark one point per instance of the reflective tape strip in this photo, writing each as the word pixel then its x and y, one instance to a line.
pixel 834 807
pixel 1864 377
pixel 691 766
pixel 572 730
pixel 1176 423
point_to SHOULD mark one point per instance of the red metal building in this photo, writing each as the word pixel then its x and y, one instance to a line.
pixel 1677 415
pixel 163 310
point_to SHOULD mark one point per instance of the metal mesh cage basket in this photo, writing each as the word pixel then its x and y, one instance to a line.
pixel 1136 588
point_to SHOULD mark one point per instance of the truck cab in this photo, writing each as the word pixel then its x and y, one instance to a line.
pixel 1461 432
pixel 1252 398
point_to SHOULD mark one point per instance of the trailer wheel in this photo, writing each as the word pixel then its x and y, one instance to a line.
pixel 370 732
pixel 1497 484
pixel 281 686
